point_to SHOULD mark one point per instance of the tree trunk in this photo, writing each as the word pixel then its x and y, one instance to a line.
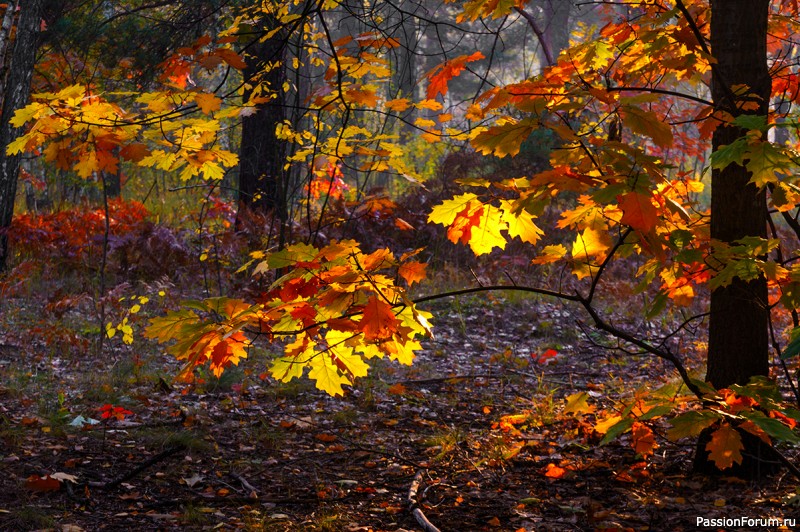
pixel 262 187
pixel 16 93
pixel 738 323
pixel 556 30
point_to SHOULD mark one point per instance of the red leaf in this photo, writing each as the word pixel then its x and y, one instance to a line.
pixel 42 484
pixel 638 211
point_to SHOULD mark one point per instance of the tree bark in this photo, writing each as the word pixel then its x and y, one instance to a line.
pixel 16 93
pixel 738 323
pixel 262 187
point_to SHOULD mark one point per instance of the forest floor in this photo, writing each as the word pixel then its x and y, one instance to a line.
pixel 252 454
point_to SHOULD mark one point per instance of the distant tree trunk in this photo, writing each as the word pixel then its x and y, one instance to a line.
pixel 404 68
pixel 552 28
pixel 738 326
pixel 16 91
pixel 262 187
pixel 556 30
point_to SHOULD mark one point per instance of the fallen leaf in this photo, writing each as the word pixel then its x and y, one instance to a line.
pixel 42 484
pixel 553 471
pixel 194 479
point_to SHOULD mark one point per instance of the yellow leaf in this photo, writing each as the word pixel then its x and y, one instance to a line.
pixel 446 213
pixel 398 105
pixel 591 243
pixel 431 105
pixel 550 254
pixel 327 377
pixel 520 223
pixel 424 122
pixel 578 403
pixel 603 425
pixel 21 116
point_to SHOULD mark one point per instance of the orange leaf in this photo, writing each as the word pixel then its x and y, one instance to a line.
pixel 638 211
pixel 327 438
pixel 725 447
pixel 134 152
pixel 397 389
pixel 644 441
pixel 439 76
pixel 553 471
pixel 232 58
pixel 412 271
pixel 207 102
pixel 378 322
pixel 402 224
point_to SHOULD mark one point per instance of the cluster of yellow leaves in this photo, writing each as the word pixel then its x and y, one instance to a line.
pixel 482 225
pixel 81 129
pixel 334 309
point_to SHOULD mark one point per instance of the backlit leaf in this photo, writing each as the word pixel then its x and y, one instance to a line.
pixel 725 447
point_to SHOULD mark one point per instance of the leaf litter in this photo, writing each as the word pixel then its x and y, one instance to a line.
pixel 478 419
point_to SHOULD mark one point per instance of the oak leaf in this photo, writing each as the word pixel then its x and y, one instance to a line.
pixel 440 75
pixel 638 211
pixel 725 447
pixel 378 321
pixel 412 271
pixel 644 441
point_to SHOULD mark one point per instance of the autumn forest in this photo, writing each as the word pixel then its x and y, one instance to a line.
pixel 386 265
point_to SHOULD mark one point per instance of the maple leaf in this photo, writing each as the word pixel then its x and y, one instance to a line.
pixel 764 160
pixel 504 139
pixel 647 123
pixel 591 243
pixel 207 103
pixel 378 321
pixel 638 211
pixel 134 152
pixel 441 74
pixel 552 253
pixel 231 58
pixel 725 447
pixel 398 105
pixel 326 375
pixel 578 403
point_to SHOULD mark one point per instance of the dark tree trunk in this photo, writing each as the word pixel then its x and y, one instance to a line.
pixel 738 341
pixel 16 92
pixel 262 186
